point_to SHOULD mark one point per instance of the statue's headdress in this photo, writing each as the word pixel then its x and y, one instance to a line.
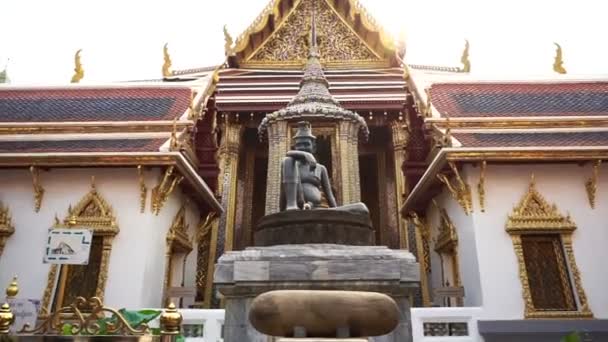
pixel 304 130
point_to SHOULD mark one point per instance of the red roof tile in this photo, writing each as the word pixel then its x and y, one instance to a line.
pixel 533 139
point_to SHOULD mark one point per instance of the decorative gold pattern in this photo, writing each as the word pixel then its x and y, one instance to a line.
pixel 481 191
pixel 464 59
pixel 460 191
pixel 535 215
pixel 78 69
pixel 143 190
pixel 337 41
pixel 423 236
pixel 228 42
pixel 161 192
pixel 6 227
pixel 177 242
pixel 82 315
pixel 591 183
pixel 170 321
pixel 558 64
pixel 447 240
pixel 203 239
pixel 38 189
pixel 401 138
pixel 166 70
pixel 6 319
pixel 94 213
pixel 258 24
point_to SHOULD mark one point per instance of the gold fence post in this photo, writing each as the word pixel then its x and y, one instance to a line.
pixel 170 323
pixel 6 319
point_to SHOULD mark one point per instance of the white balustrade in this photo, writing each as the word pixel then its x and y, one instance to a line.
pixel 454 324
pixel 200 325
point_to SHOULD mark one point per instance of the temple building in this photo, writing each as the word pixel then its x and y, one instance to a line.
pixel 495 186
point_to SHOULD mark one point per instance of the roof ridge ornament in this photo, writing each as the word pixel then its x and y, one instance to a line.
pixel 167 61
pixel 78 69
pixel 464 59
pixel 558 64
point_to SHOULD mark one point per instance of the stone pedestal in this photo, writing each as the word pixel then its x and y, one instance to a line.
pixel 240 276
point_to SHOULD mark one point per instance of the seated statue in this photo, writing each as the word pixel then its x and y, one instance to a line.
pixel 305 183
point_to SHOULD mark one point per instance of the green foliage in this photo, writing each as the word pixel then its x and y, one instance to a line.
pixel 572 337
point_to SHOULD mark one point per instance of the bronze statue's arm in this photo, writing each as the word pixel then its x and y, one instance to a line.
pixel 301 155
pixel 331 200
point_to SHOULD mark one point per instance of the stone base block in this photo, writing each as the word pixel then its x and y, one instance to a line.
pixel 240 276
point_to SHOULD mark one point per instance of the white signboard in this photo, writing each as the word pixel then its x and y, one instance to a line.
pixel 182 292
pixel 25 311
pixel 68 246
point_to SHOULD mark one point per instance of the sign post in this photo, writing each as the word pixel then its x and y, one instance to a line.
pixel 68 246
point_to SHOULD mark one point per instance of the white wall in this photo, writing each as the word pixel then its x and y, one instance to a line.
pixel 467 250
pixel 137 261
pixel 560 184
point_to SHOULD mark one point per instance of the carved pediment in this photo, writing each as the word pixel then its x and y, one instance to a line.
pixel 345 39
pixel 6 226
pixel 447 238
pixel 177 237
pixel 535 214
pixel 92 212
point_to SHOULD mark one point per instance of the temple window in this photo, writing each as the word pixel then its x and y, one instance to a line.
pixel 66 282
pixel 446 245
pixel 179 246
pixel 542 240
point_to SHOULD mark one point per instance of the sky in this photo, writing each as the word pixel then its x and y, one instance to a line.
pixel 123 39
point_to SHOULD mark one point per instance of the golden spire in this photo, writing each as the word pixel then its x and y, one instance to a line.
pixel 78 70
pixel 167 61
pixel 13 288
pixel 558 64
pixel 228 42
pixel 464 59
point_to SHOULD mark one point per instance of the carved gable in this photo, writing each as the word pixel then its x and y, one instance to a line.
pixel 338 42
pixel 535 214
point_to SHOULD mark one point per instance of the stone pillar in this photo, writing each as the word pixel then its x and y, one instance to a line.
pixel 278 145
pixel 400 139
pixel 229 159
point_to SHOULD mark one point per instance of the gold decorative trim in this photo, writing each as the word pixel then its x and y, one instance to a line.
pixel 535 215
pixel 94 213
pixel 447 240
pixel 161 192
pixel 6 227
pixel 143 190
pixel 481 190
pixel 423 237
pixel 591 183
pixel 228 43
pixel 460 191
pixel 203 240
pixel 38 189
pixel 84 322
pixel 177 241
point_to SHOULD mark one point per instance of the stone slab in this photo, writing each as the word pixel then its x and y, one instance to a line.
pixel 240 276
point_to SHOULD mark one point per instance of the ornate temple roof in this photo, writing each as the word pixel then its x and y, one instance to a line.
pixel 348 36
pixel 78 104
pixel 79 144
pixel 520 99
pixel 313 100
pixel 536 138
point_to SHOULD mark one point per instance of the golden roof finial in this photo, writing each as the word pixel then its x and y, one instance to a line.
pixel 228 42
pixel 167 61
pixel 464 59
pixel 78 70
pixel 558 64
pixel 13 288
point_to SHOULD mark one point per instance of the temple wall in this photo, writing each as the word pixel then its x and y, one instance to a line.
pixel 468 270
pixel 560 184
pixel 137 261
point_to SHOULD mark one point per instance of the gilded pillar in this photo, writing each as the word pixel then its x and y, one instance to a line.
pixel 229 157
pixel 348 144
pixel 278 145
pixel 400 139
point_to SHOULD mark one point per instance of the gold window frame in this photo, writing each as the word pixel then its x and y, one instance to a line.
pixel 6 227
pixel 93 212
pixel 534 215
pixel 447 243
pixel 177 242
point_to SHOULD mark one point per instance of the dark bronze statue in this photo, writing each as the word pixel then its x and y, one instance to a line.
pixel 306 182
